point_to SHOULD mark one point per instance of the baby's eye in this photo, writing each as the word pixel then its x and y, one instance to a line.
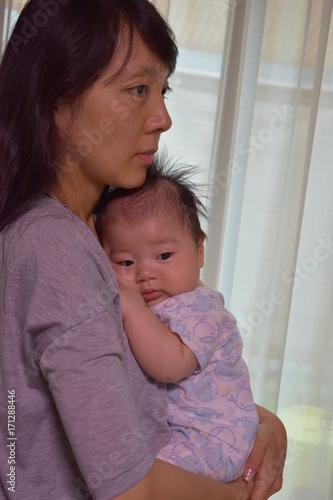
pixel 164 256
pixel 125 263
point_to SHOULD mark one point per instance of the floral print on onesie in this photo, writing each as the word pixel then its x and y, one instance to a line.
pixel 212 414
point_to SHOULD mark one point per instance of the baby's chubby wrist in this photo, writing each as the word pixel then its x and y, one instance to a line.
pixel 131 302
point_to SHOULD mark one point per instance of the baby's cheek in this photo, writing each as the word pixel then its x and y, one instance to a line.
pixel 120 276
pixel 125 280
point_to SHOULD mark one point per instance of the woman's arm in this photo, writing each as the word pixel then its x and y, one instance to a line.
pixel 160 352
pixel 168 482
pixel 165 481
pixel 268 455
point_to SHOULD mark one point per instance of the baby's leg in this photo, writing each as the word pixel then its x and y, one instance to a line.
pixel 208 457
pixel 184 453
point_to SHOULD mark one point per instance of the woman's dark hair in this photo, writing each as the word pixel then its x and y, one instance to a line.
pixel 57 50
pixel 168 189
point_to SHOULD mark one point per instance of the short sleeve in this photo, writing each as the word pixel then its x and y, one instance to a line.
pixel 201 320
pixel 85 372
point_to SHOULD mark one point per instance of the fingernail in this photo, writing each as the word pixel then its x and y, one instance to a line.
pixel 248 475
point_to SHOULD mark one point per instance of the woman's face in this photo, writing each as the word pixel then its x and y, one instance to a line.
pixel 116 130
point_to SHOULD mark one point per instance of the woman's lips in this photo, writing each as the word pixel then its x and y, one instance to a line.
pixel 146 156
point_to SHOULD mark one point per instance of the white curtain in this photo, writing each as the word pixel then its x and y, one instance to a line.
pixel 253 107
pixel 5 18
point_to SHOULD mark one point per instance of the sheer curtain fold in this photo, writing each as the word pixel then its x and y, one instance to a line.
pixel 308 409
pixel 163 6
pixel 2 21
pixel 240 114
pixel 6 14
pixel 270 244
pixel 221 164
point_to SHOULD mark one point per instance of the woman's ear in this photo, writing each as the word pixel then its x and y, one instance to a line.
pixel 201 251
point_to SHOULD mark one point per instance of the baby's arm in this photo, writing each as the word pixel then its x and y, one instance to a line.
pixel 160 352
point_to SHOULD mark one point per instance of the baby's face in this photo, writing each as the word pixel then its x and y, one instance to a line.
pixel 157 257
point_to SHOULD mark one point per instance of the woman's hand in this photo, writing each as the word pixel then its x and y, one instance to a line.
pixel 267 457
pixel 166 481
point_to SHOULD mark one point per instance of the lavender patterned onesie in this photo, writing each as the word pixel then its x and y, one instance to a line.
pixel 212 414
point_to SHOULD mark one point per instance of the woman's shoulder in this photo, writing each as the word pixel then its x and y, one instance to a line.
pixel 47 223
pixel 52 262
pixel 49 234
pixel 45 218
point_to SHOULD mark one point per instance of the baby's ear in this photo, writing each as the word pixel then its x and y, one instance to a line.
pixel 201 251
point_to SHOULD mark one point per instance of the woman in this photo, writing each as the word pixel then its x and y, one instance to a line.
pixel 82 86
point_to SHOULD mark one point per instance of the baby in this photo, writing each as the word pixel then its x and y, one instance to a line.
pixel 179 330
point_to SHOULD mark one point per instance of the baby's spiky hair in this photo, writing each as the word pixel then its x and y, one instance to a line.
pixel 166 190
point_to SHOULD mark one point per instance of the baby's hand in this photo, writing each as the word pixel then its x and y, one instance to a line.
pixel 130 302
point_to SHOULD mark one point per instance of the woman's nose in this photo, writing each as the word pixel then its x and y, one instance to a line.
pixel 159 120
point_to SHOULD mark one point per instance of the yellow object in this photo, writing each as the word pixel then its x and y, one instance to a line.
pixel 309 465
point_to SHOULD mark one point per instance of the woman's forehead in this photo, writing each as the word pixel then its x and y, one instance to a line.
pixel 135 59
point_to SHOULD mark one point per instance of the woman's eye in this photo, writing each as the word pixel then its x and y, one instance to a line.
pixel 125 263
pixel 139 90
pixel 166 91
pixel 164 256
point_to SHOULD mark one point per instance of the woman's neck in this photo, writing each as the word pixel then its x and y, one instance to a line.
pixel 80 204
